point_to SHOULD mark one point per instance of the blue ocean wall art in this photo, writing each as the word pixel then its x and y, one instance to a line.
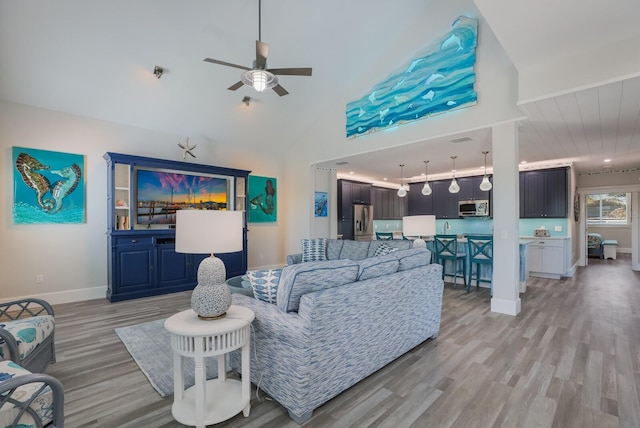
pixel 439 79
pixel 48 187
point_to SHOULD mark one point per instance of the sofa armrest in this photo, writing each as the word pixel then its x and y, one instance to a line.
pixel 24 308
pixel 294 259
pixel 279 326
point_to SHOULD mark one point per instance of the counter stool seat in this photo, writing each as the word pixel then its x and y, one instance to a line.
pixel 446 249
pixel 480 249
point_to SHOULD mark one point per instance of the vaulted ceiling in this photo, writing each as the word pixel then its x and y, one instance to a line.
pixel 96 59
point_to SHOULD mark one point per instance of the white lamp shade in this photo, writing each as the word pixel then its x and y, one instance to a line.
pixel 208 231
pixel 419 225
pixel 402 192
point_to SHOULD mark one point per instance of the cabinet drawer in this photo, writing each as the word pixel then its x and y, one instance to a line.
pixel 549 243
pixel 133 240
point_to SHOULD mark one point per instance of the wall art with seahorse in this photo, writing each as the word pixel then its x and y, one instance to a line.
pixel 48 187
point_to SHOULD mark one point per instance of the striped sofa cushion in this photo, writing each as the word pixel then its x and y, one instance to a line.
pixel 413 258
pixel 297 280
pixel 374 267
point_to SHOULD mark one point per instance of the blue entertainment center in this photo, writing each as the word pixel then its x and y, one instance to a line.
pixel 142 197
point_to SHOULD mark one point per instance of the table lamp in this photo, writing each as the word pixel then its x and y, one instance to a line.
pixel 209 232
pixel 419 225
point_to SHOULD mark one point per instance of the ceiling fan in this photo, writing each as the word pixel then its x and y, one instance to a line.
pixel 259 77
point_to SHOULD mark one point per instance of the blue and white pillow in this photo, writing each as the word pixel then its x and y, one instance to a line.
pixel 384 249
pixel 314 250
pixel 265 284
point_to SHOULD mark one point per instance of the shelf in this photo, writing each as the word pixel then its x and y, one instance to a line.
pixel 122 188
pixel 122 208
pixel 224 401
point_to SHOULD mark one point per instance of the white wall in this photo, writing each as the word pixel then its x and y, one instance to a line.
pixel 73 257
pixel 326 140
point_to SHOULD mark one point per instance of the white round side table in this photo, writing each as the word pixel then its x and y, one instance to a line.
pixel 216 400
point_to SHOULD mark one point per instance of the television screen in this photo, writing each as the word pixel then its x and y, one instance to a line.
pixel 160 193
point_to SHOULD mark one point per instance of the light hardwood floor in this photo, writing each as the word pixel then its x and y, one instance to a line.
pixel 571 358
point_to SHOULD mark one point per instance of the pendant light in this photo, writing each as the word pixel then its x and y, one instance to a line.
pixel 402 192
pixel 485 186
pixel 453 187
pixel 426 189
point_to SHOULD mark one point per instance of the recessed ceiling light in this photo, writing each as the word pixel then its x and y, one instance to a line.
pixel 607 160
pixel 523 162
pixel 351 172
pixel 385 179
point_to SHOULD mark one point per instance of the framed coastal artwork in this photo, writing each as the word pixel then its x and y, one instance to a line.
pixel 263 204
pixel 320 204
pixel 48 187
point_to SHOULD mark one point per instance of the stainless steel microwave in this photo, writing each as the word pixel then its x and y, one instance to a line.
pixel 477 208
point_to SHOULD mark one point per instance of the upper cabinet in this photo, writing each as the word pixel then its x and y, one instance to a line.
pixel 445 203
pixel 387 205
pixel 350 193
pixel 419 204
pixel 470 189
pixel 543 193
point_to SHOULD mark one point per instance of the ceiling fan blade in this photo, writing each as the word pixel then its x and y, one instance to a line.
pixel 262 52
pixel 291 71
pixel 280 90
pixel 228 64
pixel 235 86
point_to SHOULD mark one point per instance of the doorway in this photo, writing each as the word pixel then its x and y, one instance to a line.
pixel 609 228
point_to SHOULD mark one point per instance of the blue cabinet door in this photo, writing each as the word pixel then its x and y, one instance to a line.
pixel 135 268
pixel 173 268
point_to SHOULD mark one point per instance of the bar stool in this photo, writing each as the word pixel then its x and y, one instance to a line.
pixel 446 248
pixel 480 249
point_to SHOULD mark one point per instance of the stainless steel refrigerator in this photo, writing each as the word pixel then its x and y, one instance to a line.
pixel 363 222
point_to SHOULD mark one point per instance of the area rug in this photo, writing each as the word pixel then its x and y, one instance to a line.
pixel 150 346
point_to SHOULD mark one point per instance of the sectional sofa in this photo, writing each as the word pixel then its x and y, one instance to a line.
pixel 337 321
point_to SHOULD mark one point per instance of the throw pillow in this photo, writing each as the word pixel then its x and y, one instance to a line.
pixel 384 249
pixel 314 250
pixel 265 284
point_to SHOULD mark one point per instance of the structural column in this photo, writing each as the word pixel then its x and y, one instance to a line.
pixel 506 217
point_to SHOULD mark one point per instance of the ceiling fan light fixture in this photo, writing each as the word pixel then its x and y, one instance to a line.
pixel 259 79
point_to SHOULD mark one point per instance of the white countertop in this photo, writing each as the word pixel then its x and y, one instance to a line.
pixel 541 237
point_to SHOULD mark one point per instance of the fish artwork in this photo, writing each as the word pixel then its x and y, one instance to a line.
pixel 28 167
pixel 62 188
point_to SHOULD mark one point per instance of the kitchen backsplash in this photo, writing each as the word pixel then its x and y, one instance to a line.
pixel 481 225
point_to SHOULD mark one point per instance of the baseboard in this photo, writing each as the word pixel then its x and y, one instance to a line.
pixel 69 296
pixel 623 250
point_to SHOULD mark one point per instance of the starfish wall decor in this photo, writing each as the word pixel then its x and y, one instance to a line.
pixel 187 149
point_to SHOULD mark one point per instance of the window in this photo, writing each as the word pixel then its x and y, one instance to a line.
pixel 608 208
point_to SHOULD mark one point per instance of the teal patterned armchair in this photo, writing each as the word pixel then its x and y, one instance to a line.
pixel 29 400
pixel 27 328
